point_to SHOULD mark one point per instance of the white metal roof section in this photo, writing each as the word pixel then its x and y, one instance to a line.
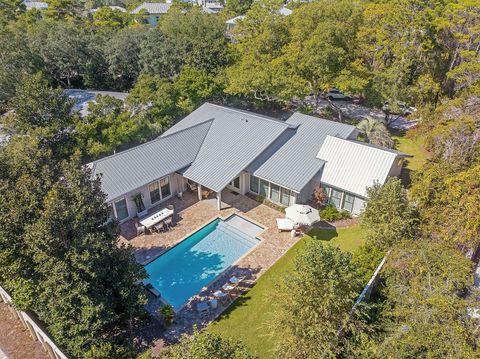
pixel 138 166
pixel 235 139
pixel 152 8
pixel 294 162
pixel 354 166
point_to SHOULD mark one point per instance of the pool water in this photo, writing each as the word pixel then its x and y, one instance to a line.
pixel 182 271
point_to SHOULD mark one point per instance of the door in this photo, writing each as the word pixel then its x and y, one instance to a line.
pixel 235 184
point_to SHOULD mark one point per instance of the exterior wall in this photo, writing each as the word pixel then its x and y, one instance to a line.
pixel 358 206
pixel 396 168
pixel 177 184
pixel 292 199
pixel 244 183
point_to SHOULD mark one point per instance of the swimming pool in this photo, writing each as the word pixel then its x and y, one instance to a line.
pixel 182 271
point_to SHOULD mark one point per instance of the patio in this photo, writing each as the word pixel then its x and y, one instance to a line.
pixel 190 214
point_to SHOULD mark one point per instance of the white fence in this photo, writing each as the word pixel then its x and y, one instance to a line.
pixel 367 291
pixel 33 327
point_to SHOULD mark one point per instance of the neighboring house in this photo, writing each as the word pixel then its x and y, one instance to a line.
pixel 40 5
pixel 118 8
pixel 231 23
pixel 83 97
pixel 210 6
pixel 153 10
pixel 221 148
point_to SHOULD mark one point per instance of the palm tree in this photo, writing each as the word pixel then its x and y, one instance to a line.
pixel 375 132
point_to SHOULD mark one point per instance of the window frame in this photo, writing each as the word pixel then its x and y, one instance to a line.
pixel 161 187
pixel 345 201
pixel 252 178
pixel 157 183
pixel 126 208
pixel 285 192
pixel 331 198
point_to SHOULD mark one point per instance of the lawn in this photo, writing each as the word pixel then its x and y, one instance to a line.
pixel 246 319
pixel 413 145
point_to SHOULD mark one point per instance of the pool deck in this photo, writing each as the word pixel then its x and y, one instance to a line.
pixel 192 214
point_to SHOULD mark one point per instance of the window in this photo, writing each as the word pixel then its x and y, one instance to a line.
pixel 326 189
pixel 121 209
pixel 165 187
pixel 275 193
pixel 263 188
pixel 235 183
pixel 154 192
pixel 285 199
pixel 348 202
pixel 254 182
pixel 335 198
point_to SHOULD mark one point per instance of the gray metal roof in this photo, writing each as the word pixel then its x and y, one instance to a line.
pixel 353 166
pixel 235 139
pixel 138 166
pixel 152 8
pixel 294 163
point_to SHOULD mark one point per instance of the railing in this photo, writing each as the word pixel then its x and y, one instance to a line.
pixel 31 323
pixel 367 291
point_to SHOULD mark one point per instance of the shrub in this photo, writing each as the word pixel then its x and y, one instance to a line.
pixel 331 213
pixel 167 313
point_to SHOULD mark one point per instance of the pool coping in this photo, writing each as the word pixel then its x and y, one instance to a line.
pixel 223 218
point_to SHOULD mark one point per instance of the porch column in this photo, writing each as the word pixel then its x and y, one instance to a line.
pixel 219 200
pixel 199 189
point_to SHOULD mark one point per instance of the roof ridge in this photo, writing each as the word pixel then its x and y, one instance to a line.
pixel 93 163
pixel 260 116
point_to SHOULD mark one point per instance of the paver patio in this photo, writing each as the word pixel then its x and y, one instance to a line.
pixel 192 214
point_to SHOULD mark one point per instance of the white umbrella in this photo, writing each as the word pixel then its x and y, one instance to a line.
pixel 302 214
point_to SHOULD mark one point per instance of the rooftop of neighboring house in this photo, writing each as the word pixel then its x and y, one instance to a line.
pixel 152 8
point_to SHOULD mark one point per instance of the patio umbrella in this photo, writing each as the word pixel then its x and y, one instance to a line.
pixel 302 214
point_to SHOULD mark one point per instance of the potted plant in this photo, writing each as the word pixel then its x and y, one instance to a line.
pixel 138 199
pixel 167 314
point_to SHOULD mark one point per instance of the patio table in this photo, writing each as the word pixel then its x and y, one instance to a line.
pixel 156 217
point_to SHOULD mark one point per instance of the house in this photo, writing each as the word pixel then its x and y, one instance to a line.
pixel 210 6
pixel 112 7
pixel 39 5
pixel 82 98
pixel 153 10
pixel 231 23
pixel 220 148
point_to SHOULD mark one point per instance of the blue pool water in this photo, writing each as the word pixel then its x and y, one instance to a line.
pixel 192 264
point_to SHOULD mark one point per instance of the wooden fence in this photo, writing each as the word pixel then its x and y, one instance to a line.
pixel 34 327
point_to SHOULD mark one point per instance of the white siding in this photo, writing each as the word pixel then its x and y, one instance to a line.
pixel 358 206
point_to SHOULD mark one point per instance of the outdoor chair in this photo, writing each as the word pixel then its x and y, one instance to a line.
pixel 222 297
pixel 140 229
pixel 169 222
pixel 160 227
pixel 203 309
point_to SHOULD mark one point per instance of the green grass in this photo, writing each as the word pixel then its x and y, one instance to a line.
pixel 412 145
pixel 246 319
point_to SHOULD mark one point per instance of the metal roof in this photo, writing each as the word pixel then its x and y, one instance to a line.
pixel 40 5
pixel 235 139
pixel 353 166
pixel 131 169
pixel 152 8
pixel 294 163
pixel 83 97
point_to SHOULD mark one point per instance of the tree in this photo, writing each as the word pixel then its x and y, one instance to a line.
pixel 195 86
pixel 206 345
pixel 61 257
pixel 63 50
pixel 375 132
pixel 201 35
pixel 122 54
pixel 63 9
pixel 313 303
pixel 42 112
pixel 155 99
pixel 319 196
pixel 388 217
pixel 110 19
pixel 160 55
pixel 108 126
pixel 238 7
pixel 427 313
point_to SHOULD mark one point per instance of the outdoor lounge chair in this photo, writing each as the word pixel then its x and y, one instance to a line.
pixel 203 309
pixel 222 297
pixel 285 224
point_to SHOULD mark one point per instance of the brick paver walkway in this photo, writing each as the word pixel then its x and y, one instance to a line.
pixel 15 340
